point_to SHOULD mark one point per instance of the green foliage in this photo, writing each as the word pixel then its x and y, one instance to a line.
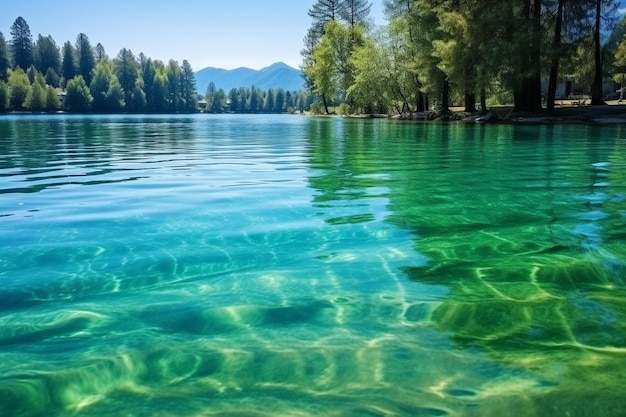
pixel 105 89
pixel 5 63
pixel 4 96
pixel 19 87
pixel 127 71
pixel 52 98
pixel 78 99
pixel 47 55
pixel 86 59
pixel 21 43
pixel 188 88
pixel 68 66
pixel 52 78
pixel 36 97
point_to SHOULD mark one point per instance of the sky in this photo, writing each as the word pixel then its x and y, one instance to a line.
pixel 208 33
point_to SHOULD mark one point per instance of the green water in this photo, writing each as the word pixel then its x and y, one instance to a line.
pixel 294 266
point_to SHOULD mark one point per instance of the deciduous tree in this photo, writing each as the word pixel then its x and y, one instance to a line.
pixel 78 98
pixel 19 86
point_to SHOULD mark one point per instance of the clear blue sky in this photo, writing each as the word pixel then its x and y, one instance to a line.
pixel 225 34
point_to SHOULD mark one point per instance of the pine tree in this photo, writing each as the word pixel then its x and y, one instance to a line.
pixel 86 59
pixel 68 66
pixel 355 12
pixel 322 12
pixel 5 63
pixel 47 55
pixel 21 44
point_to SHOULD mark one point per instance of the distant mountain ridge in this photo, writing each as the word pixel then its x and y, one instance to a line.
pixel 277 75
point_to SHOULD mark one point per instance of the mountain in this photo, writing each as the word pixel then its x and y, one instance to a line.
pixel 277 75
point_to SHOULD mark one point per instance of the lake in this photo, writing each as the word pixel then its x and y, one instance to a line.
pixel 298 266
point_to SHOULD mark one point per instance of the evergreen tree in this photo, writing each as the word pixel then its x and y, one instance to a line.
pixel 68 66
pixel 279 102
pixel 99 86
pixel 5 63
pixel 47 55
pixel 78 98
pixel 322 12
pixel 173 73
pixel 52 78
pixel 21 44
pixel 4 96
pixel 159 91
pixel 127 72
pixel 188 86
pixel 101 54
pixel 270 100
pixel 233 96
pixel 86 59
pixel 355 12
pixel 139 102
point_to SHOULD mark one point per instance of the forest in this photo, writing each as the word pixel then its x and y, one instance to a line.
pixel 431 54
pixel 470 53
pixel 40 76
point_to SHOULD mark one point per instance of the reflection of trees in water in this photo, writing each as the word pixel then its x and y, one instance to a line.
pixel 534 258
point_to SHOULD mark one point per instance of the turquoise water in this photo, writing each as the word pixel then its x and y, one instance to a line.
pixel 293 266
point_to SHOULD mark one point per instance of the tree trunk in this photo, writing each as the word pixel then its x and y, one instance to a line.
pixel 534 97
pixel 483 100
pixel 596 87
pixel 445 99
pixel 554 67
pixel 528 94
pixel 325 104
pixel 470 102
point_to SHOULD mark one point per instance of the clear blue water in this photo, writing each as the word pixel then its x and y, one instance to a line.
pixel 294 266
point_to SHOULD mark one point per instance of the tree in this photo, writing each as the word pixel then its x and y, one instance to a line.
pixel 355 12
pixel 52 98
pixel 36 97
pixel 270 100
pixel 620 67
pixel 52 78
pixel 127 72
pixel 159 91
pixel 105 89
pixel 188 86
pixel 233 97
pixel 47 55
pixel 86 59
pixel 147 74
pixel 4 96
pixel 68 66
pixel 596 87
pixel 322 12
pixel 101 54
pixel 279 103
pixel 78 98
pixel 5 63
pixel 19 87
pixel 173 73
pixel 21 44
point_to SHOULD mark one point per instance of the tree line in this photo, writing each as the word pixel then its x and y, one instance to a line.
pixel 475 52
pixel 33 74
pixel 255 100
